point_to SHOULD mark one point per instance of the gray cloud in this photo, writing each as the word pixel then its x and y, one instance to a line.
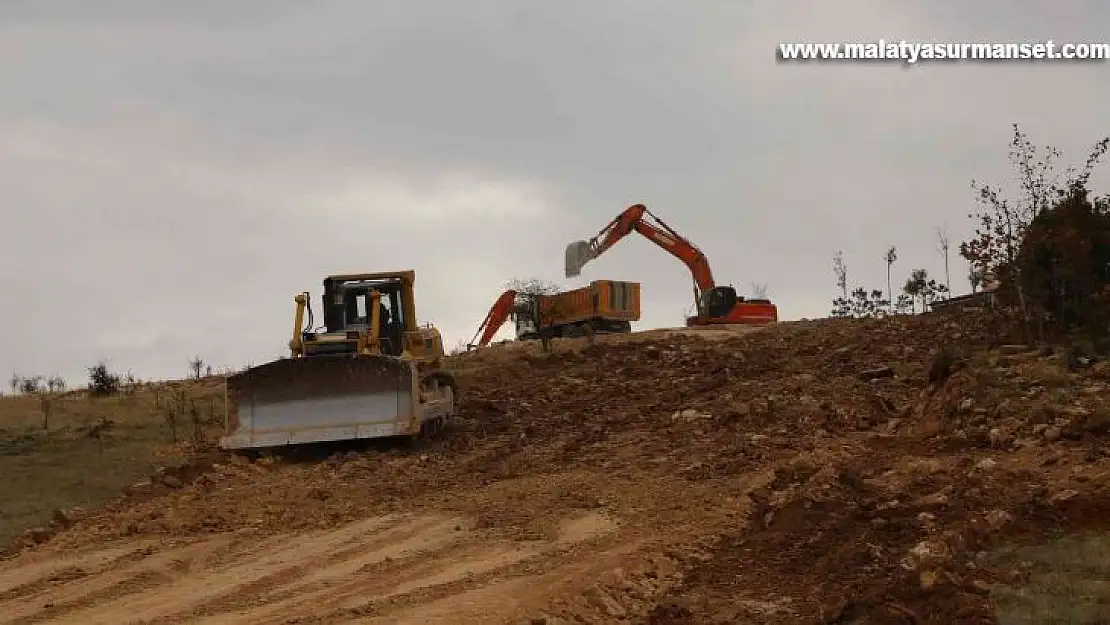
pixel 215 160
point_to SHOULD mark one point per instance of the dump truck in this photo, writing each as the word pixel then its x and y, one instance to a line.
pixel 370 371
pixel 602 307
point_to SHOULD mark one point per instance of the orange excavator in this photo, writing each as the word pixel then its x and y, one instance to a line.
pixel 496 316
pixel 716 305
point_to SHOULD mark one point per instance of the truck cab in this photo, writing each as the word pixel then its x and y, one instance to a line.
pixel 525 315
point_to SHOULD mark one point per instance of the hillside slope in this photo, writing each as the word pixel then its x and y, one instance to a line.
pixel 805 472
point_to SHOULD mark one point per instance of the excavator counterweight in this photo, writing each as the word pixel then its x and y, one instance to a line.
pixel 716 305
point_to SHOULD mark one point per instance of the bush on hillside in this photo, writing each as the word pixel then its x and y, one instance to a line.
pixel 103 382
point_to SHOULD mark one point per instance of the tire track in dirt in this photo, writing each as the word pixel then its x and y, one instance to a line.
pixel 27 575
pixel 306 585
pixel 367 568
pixel 185 591
pixel 132 574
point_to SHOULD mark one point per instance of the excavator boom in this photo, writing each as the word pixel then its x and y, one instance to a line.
pixel 632 219
pixel 715 305
pixel 495 318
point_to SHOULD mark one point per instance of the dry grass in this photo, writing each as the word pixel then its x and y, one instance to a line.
pixel 1069 583
pixel 91 448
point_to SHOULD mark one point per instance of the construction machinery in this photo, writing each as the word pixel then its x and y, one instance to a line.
pixel 369 372
pixel 603 307
pixel 716 305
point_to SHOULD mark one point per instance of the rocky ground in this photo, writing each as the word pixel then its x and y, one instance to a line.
pixel 813 472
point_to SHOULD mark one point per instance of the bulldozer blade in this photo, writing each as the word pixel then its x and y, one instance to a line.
pixel 321 398
pixel 578 254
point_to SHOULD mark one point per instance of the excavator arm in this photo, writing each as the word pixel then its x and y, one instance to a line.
pixel 633 219
pixel 495 318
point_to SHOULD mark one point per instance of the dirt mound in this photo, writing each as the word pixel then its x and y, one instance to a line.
pixel 833 468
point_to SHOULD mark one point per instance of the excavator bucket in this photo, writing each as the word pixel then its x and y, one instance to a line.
pixel 578 254
pixel 321 398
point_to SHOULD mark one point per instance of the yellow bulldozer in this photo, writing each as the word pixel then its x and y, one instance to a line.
pixel 371 372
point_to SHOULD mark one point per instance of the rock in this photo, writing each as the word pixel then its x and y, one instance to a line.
pixel 1075 412
pixel 690 415
pixel 742 409
pixel 809 405
pixel 999 438
pixel 997 519
pixel 139 486
pixel 966 404
pixel 1013 350
pixel 38 535
pixel 172 481
pixel 599 599
pixel 1039 429
pixel 1101 369
pixel 935 500
pixel 986 464
pixel 928 579
pixel 1064 495
pixel 1053 434
pixel 65 518
pixel 925 553
pixel 877 373
pixel 980 586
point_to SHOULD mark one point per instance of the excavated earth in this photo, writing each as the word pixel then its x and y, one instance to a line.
pixel 812 472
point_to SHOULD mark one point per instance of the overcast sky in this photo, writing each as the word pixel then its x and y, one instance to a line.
pixel 173 172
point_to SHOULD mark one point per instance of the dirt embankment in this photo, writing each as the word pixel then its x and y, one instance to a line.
pixel 813 472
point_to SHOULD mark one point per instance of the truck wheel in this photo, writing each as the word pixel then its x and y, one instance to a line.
pixel 429 429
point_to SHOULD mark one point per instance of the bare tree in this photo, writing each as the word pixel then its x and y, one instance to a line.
pixel 890 257
pixel 196 365
pixel 759 290
pixel 974 278
pixel 842 306
pixel 840 268
pixel 529 292
pixel 942 240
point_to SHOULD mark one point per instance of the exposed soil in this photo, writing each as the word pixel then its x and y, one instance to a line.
pixel 816 472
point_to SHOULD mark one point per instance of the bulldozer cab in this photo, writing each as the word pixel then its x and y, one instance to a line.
pixel 349 301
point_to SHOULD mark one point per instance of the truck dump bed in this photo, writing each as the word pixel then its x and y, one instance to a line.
pixel 602 301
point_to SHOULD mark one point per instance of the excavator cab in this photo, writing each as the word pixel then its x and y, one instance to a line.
pixel 719 301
